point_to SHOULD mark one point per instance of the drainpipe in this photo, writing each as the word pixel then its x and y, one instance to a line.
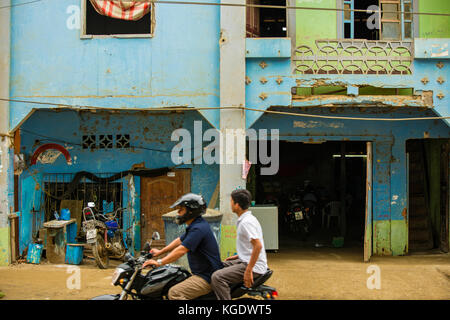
pixel 232 94
pixel 5 152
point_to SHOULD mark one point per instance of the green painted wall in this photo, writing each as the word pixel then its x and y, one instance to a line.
pixel 382 238
pixel 434 26
pixel 399 233
pixel 4 246
pixel 315 24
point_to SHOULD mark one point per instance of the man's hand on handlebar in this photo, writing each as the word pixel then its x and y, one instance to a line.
pixel 151 263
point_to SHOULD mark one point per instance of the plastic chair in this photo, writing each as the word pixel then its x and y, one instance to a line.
pixel 334 211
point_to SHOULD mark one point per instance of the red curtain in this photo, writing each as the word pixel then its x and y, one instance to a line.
pixel 125 10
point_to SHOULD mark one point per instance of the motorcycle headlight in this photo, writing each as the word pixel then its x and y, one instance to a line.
pixel 116 275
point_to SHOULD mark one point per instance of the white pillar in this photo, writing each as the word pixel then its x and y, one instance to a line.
pixel 5 168
pixel 232 94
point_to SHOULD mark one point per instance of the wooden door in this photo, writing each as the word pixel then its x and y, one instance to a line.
pixel 157 195
pixel 368 224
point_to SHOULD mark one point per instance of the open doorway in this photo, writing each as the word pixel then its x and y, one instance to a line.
pixel 324 181
pixel 428 181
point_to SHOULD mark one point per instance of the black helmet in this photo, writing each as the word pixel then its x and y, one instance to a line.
pixel 195 206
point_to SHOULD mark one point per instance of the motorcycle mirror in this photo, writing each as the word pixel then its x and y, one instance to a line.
pixel 128 257
pixel 91 204
pixel 146 247
pixel 156 236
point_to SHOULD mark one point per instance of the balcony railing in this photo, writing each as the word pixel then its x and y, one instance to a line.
pixel 350 56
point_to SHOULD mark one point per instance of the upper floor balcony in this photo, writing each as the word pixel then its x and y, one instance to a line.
pixel 348 52
pixel 355 56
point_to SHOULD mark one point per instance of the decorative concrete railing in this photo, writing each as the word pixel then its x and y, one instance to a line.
pixel 350 56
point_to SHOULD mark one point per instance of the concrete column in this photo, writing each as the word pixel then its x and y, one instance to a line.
pixel 232 94
pixel 381 197
pixel 399 198
pixel 5 154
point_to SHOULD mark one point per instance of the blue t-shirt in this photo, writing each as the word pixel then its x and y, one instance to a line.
pixel 203 255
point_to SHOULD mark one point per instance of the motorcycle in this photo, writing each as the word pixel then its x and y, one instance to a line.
pixel 298 217
pixel 155 284
pixel 104 234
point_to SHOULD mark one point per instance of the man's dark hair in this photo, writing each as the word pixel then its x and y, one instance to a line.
pixel 242 197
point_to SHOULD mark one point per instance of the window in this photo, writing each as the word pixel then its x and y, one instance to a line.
pixel 266 22
pixel 106 141
pixel 391 24
pixel 108 18
pixel 90 142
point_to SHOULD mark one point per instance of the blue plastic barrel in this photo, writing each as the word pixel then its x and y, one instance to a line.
pixel 74 253
pixel 65 214
pixel 34 253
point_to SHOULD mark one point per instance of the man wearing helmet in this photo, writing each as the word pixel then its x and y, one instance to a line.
pixel 200 245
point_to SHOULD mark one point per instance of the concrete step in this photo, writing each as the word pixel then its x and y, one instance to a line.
pixel 420 234
pixel 420 245
pixel 415 202
pixel 418 222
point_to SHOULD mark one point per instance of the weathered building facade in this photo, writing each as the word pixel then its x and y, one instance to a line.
pixel 110 102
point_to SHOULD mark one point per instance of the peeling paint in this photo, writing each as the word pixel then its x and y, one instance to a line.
pixel 315 124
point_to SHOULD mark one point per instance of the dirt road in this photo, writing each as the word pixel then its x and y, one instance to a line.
pixel 309 273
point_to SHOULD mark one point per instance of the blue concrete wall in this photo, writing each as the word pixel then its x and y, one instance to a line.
pixel 147 130
pixel 177 66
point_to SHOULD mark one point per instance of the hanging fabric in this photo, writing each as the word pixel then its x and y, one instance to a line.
pixel 125 10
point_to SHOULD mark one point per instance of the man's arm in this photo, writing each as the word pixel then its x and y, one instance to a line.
pixel 174 244
pixel 177 253
pixel 248 275
pixel 232 258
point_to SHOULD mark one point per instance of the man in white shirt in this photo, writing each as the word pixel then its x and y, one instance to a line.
pixel 250 261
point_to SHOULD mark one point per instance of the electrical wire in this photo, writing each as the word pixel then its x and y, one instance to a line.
pixel 266 6
pixel 287 7
pixel 20 4
pixel 346 118
pixel 80 145
pixel 243 108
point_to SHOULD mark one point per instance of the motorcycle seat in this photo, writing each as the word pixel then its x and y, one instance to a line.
pixel 260 280
pixel 256 283
pixel 238 289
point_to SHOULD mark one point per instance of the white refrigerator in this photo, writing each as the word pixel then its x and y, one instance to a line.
pixel 268 218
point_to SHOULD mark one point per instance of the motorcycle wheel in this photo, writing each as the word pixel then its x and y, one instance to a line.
pixel 100 253
pixel 121 253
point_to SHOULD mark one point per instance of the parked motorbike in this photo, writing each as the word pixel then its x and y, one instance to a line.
pixel 155 284
pixel 104 233
pixel 298 217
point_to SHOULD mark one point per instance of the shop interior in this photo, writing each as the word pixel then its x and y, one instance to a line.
pixel 314 180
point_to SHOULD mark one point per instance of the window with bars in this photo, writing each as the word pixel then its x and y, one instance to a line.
pixel 394 22
pixel 106 141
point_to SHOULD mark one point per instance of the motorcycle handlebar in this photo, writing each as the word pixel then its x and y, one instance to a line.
pixel 140 260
